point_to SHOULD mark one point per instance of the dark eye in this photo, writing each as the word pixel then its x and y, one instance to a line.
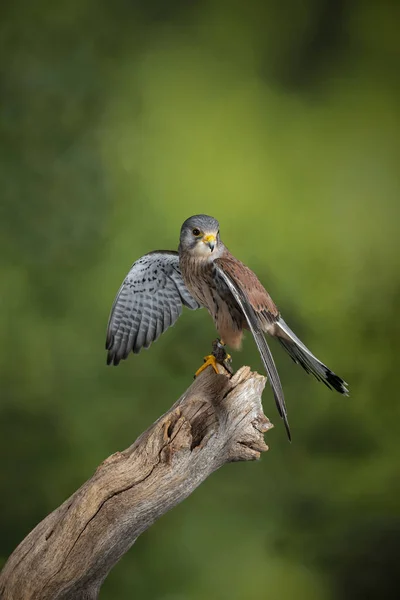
pixel 196 231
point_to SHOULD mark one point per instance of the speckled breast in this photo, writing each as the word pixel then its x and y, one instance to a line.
pixel 210 291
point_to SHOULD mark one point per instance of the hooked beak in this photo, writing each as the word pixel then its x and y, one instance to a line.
pixel 210 241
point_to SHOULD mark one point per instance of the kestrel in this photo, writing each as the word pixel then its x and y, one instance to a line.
pixel 203 273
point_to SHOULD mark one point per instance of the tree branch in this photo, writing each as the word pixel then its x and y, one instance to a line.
pixel 69 554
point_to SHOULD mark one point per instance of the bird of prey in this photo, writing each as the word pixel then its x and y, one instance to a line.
pixel 203 273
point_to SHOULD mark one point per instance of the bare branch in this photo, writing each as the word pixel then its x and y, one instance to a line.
pixel 69 554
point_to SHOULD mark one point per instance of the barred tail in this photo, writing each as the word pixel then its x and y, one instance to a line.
pixel 310 363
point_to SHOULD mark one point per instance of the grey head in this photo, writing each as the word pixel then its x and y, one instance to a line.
pixel 200 237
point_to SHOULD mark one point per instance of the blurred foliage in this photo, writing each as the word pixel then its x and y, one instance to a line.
pixel 119 120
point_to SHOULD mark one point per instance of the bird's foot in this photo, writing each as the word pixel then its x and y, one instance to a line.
pixel 209 361
pixel 221 355
pixel 218 356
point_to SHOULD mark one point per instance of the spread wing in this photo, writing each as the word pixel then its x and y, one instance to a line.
pixel 256 310
pixel 148 302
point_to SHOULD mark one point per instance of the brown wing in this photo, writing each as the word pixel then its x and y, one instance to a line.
pixel 252 288
pixel 255 324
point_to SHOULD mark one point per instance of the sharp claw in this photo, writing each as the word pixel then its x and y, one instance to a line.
pixel 209 361
pixel 218 356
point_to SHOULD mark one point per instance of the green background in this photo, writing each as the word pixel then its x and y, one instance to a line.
pixel 119 120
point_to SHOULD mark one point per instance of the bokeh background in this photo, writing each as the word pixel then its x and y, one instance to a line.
pixel 119 120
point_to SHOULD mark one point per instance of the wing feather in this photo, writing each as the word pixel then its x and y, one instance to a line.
pixel 256 330
pixel 149 301
pixel 251 288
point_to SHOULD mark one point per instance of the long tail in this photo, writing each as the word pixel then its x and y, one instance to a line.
pixel 310 363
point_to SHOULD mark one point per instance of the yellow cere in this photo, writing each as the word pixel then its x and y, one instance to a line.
pixel 208 238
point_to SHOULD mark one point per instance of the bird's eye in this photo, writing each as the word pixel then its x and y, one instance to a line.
pixel 196 231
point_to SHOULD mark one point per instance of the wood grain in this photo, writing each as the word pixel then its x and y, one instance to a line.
pixel 69 554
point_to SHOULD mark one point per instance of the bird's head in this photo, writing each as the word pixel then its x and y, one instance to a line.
pixel 200 237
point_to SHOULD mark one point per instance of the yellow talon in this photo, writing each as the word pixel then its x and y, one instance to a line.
pixel 209 360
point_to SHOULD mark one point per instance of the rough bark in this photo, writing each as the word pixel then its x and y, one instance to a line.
pixel 68 555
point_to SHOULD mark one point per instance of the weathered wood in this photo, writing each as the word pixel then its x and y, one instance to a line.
pixel 68 555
